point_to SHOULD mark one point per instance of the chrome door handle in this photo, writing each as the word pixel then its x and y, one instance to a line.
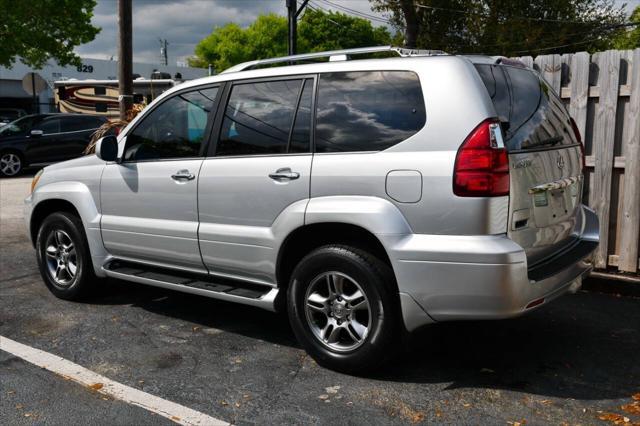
pixel 183 175
pixel 284 174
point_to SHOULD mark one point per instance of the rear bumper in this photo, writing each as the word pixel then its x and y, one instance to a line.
pixel 483 277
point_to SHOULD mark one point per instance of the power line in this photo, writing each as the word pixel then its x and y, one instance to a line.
pixel 357 13
pixel 526 18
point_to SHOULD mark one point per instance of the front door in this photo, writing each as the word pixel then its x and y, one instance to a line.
pixel 254 188
pixel 44 147
pixel 149 198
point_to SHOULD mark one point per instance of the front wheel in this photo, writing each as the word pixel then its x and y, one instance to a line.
pixel 63 256
pixel 343 309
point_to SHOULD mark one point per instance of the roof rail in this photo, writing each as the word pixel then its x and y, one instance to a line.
pixel 334 55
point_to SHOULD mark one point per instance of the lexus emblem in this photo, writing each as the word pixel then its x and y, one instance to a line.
pixel 560 162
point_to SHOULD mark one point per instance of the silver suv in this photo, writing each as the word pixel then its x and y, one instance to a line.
pixel 366 198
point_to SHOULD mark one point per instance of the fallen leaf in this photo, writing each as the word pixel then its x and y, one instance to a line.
pixel 96 386
pixel 636 397
pixel 633 408
pixel 466 405
pixel 332 389
pixel 19 406
pixel 28 414
pixel 237 405
pixel 175 418
pixel 225 403
pixel 615 418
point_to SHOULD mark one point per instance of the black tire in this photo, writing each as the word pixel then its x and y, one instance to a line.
pixel 80 284
pixel 375 279
pixel 17 162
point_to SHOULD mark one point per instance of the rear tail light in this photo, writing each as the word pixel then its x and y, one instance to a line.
pixel 482 164
pixel 574 126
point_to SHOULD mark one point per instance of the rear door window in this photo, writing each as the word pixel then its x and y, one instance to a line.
pixel 80 123
pixel 259 118
pixel 367 110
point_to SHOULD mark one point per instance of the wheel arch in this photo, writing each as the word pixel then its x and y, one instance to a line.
pixel 76 198
pixel 306 238
pixel 44 209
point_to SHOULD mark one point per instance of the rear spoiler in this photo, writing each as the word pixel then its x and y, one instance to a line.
pixel 511 62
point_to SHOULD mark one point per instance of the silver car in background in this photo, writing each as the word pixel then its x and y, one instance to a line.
pixel 367 198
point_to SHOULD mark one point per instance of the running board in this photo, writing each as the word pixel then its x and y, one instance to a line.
pixel 200 284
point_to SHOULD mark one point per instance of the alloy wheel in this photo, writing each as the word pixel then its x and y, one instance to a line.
pixel 10 164
pixel 337 311
pixel 62 261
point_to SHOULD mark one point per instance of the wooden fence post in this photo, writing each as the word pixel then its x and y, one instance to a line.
pixel 628 258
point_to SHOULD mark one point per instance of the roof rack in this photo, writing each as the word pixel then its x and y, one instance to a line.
pixel 334 55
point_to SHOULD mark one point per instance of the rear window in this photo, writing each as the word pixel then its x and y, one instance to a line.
pixel 367 110
pixel 523 102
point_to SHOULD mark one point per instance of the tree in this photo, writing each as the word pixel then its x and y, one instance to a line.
pixel 266 37
pixel 36 31
pixel 630 39
pixel 506 27
pixel 321 31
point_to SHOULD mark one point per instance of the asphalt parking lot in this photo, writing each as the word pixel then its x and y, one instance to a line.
pixel 572 362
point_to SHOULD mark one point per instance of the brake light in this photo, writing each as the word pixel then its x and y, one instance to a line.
pixel 482 165
pixel 574 126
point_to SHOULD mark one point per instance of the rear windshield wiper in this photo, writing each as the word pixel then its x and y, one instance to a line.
pixel 549 141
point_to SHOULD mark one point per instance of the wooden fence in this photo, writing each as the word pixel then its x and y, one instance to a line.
pixel 602 92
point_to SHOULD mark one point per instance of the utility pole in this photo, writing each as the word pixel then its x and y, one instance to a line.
pixel 125 58
pixel 292 15
pixel 163 51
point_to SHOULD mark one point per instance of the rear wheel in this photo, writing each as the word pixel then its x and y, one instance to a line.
pixel 343 309
pixel 63 256
pixel 11 164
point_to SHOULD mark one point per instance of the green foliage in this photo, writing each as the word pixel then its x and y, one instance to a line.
pixel 630 39
pixel 320 31
pixel 266 37
pixel 36 31
pixel 507 27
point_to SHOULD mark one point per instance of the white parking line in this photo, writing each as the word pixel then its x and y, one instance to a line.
pixel 175 412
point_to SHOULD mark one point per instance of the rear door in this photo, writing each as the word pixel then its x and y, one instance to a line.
pixel 258 172
pixel 545 159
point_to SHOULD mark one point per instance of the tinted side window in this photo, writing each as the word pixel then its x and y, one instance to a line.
pixel 174 129
pixel 497 86
pixel 79 123
pixel 48 125
pixel 301 135
pixel 525 96
pixel 367 111
pixel 534 113
pixel 258 118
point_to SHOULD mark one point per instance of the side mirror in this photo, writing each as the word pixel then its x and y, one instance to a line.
pixel 107 148
pixel 37 133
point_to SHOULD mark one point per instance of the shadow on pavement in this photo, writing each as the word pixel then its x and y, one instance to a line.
pixel 583 346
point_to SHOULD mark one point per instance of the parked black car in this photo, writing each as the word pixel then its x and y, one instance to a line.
pixel 43 139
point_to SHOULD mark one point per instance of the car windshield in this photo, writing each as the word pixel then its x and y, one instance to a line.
pixel 19 126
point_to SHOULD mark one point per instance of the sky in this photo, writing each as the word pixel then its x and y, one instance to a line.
pixel 185 22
